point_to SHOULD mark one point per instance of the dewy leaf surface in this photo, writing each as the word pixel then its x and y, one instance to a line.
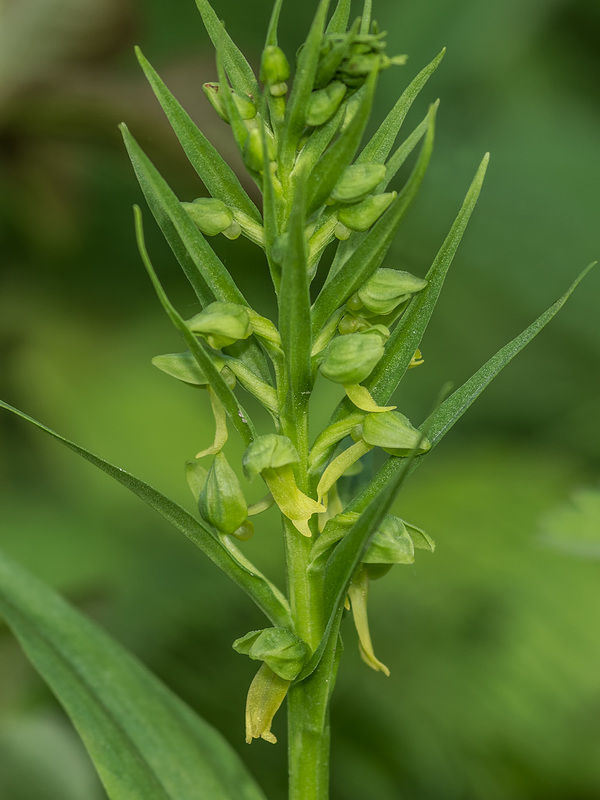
pixel 266 596
pixel 145 743
pixel 218 177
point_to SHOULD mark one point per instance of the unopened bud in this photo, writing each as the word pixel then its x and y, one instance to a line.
pixel 360 216
pixel 245 105
pixel 387 288
pixel 394 433
pixel 350 359
pixel 222 324
pixel 323 103
pixel 222 502
pixel 254 152
pixel 283 651
pixel 391 544
pixel 274 67
pixel 357 181
pixel 210 215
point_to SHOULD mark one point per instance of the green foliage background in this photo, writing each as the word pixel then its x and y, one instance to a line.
pixel 493 640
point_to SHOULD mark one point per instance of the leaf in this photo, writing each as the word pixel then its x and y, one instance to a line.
pixel 339 20
pixel 295 114
pixel 365 21
pixel 271 39
pixel 379 146
pixel 240 72
pixel 371 252
pixel 328 169
pixel 451 410
pixel 239 130
pixel 218 177
pixel 266 596
pixel 236 413
pixel 407 335
pixel 294 311
pixel 205 272
pixel 146 744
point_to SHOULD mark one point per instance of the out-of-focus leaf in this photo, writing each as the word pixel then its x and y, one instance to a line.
pixel 339 20
pixel 145 743
pixel 574 527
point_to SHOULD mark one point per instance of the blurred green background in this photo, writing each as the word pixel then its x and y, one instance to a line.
pixel 493 641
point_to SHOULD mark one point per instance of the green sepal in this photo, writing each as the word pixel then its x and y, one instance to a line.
pixel 222 324
pixel 222 501
pixel 357 181
pixel 211 216
pixel 421 540
pixel 393 432
pixel 350 359
pixel 387 288
pixel 323 103
pixel 283 651
pixel 195 475
pixel 214 93
pixel 182 366
pixel 390 544
pixel 360 216
pixel 270 451
pixel 274 66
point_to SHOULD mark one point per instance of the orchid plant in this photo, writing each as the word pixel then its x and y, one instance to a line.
pixel 328 211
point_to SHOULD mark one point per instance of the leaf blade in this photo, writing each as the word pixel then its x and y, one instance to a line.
pixel 264 594
pixel 213 171
pixel 145 743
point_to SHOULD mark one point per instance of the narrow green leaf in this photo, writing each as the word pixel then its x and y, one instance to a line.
pixel 440 422
pixel 295 115
pixel 328 169
pixel 239 130
pixel 271 40
pixel 294 309
pixel 204 270
pixel 271 226
pixel 218 177
pixel 365 21
pixel 236 413
pixel 450 411
pixel 266 596
pixel 345 249
pixel 240 72
pixel 145 742
pixel 407 335
pixel 369 255
pixel 339 21
pixel 380 145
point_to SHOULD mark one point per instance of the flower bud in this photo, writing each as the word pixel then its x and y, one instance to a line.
pixel 350 359
pixel 281 649
pixel 323 103
pixel 254 157
pixel 357 181
pixel 210 215
pixel 222 324
pixel 274 68
pixel 360 216
pixel 266 694
pixel 222 501
pixel 393 432
pixel 245 105
pixel 387 289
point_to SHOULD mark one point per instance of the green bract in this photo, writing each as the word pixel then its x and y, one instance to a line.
pixel 361 325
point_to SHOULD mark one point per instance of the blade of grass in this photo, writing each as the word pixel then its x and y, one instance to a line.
pixel 409 332
pixel 295 115
pixel 218 177
pixel 382 141
pixel 369 255
pixel 265 595
pixel 239 70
